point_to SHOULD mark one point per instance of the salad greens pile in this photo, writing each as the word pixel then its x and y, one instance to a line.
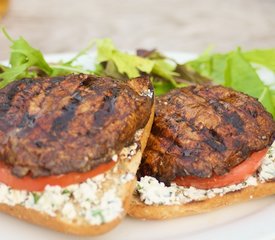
pixel 26 61
pixel 114 63
pixel 236 69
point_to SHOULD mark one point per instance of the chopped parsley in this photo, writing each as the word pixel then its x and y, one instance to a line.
pixel 98 213
pixel 66 191
pixel 36 197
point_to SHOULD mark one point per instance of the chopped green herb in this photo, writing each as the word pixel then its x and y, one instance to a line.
pixel 139 187
pixel 98 213
pixel 36 197
pixel 66 191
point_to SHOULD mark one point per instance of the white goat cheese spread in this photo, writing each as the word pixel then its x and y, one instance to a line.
pixel 151 191
pixel 96 200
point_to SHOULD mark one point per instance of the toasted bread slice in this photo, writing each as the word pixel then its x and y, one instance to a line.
pixel 81 226
pixel 139 209
pixel 98 204
pixel 153 200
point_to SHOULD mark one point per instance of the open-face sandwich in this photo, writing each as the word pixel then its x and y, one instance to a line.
pixel 209 147
pixel 70 148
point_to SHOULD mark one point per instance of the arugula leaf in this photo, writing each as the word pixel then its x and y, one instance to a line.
pixel 131 64
pixel 265 57
pixel 64 68
pixel 210 66
pixel 240 75
pixel 272 93
pixel 26 54
pixel 105 48
pixel 189 75
pixel 80 53
pixel 114 63
pixel 161 87
pixel 22 57
pixel 218 66
pixel 26 61
pixel 110 70
pixel 164 69
pixel 202 65
pixel 22 52
pixel 267 99
pixel 11 74
pixel 125 63
pixel 234 70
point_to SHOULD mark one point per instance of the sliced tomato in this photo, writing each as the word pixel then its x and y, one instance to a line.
pixel 237 175
pixel 38 184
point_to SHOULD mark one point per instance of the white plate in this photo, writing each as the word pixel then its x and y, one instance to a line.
pixel 250 220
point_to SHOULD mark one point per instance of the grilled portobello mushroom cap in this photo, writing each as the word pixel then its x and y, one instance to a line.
pixel 204 131
pixel 52 126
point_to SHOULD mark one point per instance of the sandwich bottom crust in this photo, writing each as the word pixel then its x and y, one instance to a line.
pixel 139 209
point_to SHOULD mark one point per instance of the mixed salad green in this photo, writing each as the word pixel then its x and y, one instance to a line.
pixel 236 69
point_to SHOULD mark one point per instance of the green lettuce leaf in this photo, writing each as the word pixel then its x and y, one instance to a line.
pixel 210 66
pixel 11 74
pixel 115 63
pixel 26 61
pixel 265 57
pixel 233 69
pixel 162 87
pixel 126 63
pixel 22 57
pixel 241 76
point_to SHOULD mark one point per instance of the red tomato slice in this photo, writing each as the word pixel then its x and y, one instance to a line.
pixel 237 175
pixel 38 184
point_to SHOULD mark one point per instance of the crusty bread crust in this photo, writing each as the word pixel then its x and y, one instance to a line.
pixel 159 212
pixel 84 229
